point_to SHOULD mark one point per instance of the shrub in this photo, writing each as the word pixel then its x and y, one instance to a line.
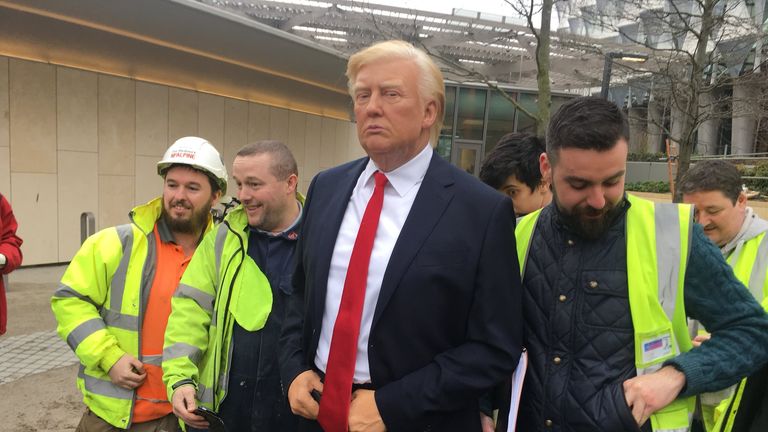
pixel 648 186
pixel 647 157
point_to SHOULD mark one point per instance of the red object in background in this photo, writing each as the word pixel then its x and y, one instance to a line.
pixel 10 247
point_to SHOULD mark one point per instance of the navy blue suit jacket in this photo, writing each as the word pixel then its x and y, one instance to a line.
pixel 448 322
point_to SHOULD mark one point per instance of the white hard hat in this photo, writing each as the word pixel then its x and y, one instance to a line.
pixel 197 153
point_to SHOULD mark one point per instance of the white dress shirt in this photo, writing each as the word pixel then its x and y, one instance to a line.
pixel 399 193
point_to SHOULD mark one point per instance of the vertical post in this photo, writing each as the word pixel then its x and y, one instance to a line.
pixel 606 75
pixel 87 225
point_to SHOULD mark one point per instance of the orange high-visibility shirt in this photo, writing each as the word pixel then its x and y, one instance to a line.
pixel 151 398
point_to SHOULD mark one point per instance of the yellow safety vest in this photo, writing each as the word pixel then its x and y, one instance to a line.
pixel 750 265
pixel 657 255
pixel 99 308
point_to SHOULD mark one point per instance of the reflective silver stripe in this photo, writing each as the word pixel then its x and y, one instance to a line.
pixel 65 291
pixel 151 400
pixel 119 320
pixel 759 269
pixel 205 394
pixel 103 387
pixel 148 271
pixel 221 237
pixel 668 254
pixel 125 232
pixel 83 330
pixel 154 360
pixel 180 349
pixel 203 299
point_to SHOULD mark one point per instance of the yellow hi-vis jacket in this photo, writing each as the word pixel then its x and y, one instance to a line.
pixel 658 241
pixel 99 307
pixel 750 265
pixel 221 284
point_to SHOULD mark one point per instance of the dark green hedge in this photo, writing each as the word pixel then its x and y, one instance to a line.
pixel 648 186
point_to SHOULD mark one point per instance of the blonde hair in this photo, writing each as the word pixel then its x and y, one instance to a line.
pixel 431 85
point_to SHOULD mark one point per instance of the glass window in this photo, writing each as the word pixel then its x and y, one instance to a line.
pixel 526 123
pixel 450 108
pixel 469 124
pixel 501 118
pixel 445 142
pixel 468 160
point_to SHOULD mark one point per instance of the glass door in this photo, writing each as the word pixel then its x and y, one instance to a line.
pixel 467 156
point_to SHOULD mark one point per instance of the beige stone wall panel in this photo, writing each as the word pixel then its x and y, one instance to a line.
pixel 117 126
pixel 297 130
pixel 182 114
pixel 78 193
pixel 35 207
pixel 211 119
pixel 328 143
pixel 149 184
pixel 151 119
pixel 278 125
pixel 4 108
pixel 258 122
pixel 313 136
pixel 341 146
pixel 236 114
pixel 116 199
pixel 5 173
pixel 76 110
pixel 32 117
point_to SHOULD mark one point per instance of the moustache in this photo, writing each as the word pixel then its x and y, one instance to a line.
pixel 181 203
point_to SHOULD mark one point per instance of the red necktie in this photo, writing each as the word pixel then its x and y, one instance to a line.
pixel 337 389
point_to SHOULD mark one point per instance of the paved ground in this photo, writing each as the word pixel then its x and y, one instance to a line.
pixel 37 369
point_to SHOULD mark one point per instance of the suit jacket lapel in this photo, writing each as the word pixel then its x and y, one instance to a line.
pixel 335 205
pixel 433 197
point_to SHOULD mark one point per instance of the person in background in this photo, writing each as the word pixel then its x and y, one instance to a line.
pixel 512 168
pixel 714 188
pixel 10 254
pixel 115 297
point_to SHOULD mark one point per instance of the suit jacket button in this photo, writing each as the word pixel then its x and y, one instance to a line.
pixel 548 423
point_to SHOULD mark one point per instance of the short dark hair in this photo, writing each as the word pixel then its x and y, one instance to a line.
pixel 515 154
pixel 283 162
pixel 712 175
pixel 588 123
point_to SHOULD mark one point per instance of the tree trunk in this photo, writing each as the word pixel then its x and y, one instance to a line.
pixel 691 110
pixel 542 67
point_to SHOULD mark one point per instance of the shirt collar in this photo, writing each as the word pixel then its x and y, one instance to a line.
pixel 406 176
pixel 166 235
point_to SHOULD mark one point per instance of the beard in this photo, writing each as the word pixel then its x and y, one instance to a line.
pixel 193 224
pixel 588 222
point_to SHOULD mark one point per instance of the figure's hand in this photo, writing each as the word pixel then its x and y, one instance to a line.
pixel 700 339
pixel 649 393
pixel 486 423
pixel 364 414
pixel 300 394
pixel 127 372
pixel 184 405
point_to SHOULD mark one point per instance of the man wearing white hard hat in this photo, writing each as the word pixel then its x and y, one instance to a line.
pixel 113 303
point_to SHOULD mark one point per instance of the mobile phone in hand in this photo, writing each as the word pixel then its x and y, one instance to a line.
pixel 216 423
pixel 316 395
